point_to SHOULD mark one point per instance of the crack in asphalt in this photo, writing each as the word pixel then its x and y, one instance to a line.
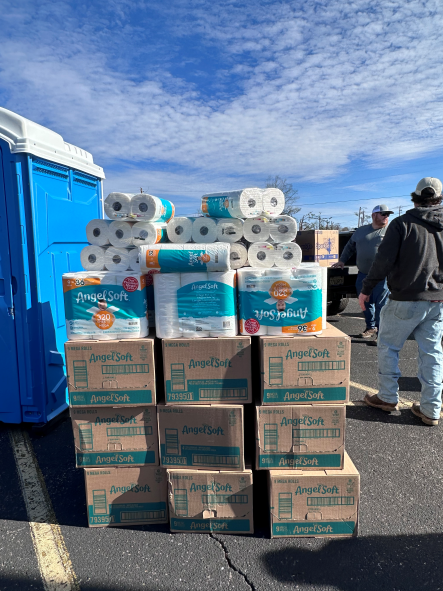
pixel 232 565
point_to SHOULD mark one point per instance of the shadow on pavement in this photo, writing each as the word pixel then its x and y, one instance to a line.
pixel 405 562
pixel 375 415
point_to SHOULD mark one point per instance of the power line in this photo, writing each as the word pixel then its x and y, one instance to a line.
pixel 349 200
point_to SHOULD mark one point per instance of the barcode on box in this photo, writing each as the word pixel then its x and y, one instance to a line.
pixel 142 515
pixel 329 501
pixel 320 365
pixel 216 460
pixel 223 394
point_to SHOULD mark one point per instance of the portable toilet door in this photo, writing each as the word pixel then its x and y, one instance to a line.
pixel 49 190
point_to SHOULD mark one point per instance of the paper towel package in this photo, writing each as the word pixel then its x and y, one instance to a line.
pixel 111 373
pixel 185 258
pixel 122 496
pixel 202 501
pixel 105 306
pixel 120 234
pixel 273 201
pixel 321 503
pixel 115 436
pixel 280 301
pixel 151 209
pixel 207 371
pixel 92 258
pixel 117 206
pixel 256 229
pixel 287 255
pixel 204 230
pixel 239 255
pixel 195 305
pixel 246 203
pixel 300 437
pixel 97 232
pixel 148 233
pixel 119 260
pixel 306 370
pixel 261 254
pixel 229 229
pixel 283 228
pixel 179 230
pixel 201 437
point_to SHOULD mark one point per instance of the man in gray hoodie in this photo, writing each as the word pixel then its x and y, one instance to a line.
pixel 411 257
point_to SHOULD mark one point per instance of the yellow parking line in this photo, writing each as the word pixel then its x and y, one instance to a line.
pixel 52 556
pixel 401 402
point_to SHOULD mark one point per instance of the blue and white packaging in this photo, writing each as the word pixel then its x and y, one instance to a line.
pixel 247 203
pixel 185 258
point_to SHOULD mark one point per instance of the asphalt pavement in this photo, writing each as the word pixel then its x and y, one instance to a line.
pixel 400 542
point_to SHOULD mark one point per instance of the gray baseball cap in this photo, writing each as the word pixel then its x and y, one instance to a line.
pixel 429 182
pixel 382 208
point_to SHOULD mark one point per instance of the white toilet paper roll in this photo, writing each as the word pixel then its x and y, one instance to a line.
pixel 229 230
pixel 166 286
pixel 261 254
pixel 118 206
pixel 273 201
pixel 247 203
pixel 117 260
pixel 179 230
pixel 148 233
pixel 134 260
pixel 238 256
pixel 287 255
pixel 151 209
pixel 283 228
pixel 120 234
pixel 92 258
pixel 229 323
pixel 97 232
pixel 248 282
pixel 204 230
pixel 192 328
pixel 256 229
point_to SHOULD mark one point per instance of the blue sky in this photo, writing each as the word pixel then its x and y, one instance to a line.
pixel 344 99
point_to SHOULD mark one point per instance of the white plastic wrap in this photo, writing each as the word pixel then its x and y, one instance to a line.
pixel 257 229
pixel 179 230
pixel 148 233
pixel 238 256
pixel 118 260
pixel 145 207
pixel 166 286
pixel 120 234
pixel 287 255
pixel 97 232
pixel 283 228
pixel 273 201
pixel 204 231
pixel 118 206
pixel 185 258
pixel 246 203
pixel 105 306
pixel 261 254
pixel 92 258
pixel 229 229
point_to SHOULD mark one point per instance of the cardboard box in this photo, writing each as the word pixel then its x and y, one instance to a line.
pixel 207 371
pixel 306 370
pixel 320 246
pixel 324 503
pixel 116 497
pixel 111 373
pixel 115 436
pixel 203 501
pixel 309 437
pixel 201 437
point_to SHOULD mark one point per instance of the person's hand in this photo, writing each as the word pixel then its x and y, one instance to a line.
pixel 338 265
pixel 362 300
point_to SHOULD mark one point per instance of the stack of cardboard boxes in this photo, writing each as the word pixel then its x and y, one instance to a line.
pixel 313 485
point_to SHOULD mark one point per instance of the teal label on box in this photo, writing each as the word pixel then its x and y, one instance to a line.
pixel 205 525
pixel 206 390
pixel 198 455
pixel 115 458
pixel 126 513
pixel 313 528
pixel 291 395
pixel 294 460
pixel 110 397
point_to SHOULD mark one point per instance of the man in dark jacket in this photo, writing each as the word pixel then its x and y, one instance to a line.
pixel 411 257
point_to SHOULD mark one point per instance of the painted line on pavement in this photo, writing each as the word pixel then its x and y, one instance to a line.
pixel 401 402
pixel 52 555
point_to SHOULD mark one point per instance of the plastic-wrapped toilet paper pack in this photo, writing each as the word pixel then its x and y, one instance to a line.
pixel 148 233
pixel 273 201
pixel 287 255
pixel 151 209
pixel 261 254
pixel 229 229
pixel 119 260
pixel 287 303
pixel 283 228
pixel 179 230
pixel 238 256
pixel 195 305
pixel 185 258
pixel 256 229
pixel 105 306
pixel 118 206
pixel 120 234
pixel 97 232
pixel 149 279
pixel 92 258
pixel 247 203
pixel 204 231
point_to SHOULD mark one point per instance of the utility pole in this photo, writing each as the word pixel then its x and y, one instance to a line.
pixel 399 209
pixel 359 214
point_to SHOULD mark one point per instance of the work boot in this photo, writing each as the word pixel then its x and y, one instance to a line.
pixel 375 401
pixel 426 420
pixel 369 333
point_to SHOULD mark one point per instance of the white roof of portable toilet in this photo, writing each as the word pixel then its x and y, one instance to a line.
pixel 26 136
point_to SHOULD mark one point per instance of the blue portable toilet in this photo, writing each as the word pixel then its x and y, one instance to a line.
pixel 49 191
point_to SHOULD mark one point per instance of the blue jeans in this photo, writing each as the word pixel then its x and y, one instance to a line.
pixel 377 300
pixel 425 321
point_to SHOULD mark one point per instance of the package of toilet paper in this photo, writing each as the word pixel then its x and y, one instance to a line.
pixel 105 306
pixel 246 203
pixel 195 305
pixel 149 279
pixel 280 301
pixel 185 258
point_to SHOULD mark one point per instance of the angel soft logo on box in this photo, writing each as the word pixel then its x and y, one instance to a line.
pixel 133 487
pixel 112 356
pixel 212 487
pixel 312 353
pixel 119 419
pixel 109 296
pixel 211 362
pixel 306 421
pixel 320 489
pixel 207 285
pixel 203 430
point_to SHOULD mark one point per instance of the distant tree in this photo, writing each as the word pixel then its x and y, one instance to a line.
pixel 315 221
pixel 291 194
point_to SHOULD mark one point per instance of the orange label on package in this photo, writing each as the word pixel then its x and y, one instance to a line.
pixel 71 283
pixel 103 319
pixel 313 326
pixel 152 258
